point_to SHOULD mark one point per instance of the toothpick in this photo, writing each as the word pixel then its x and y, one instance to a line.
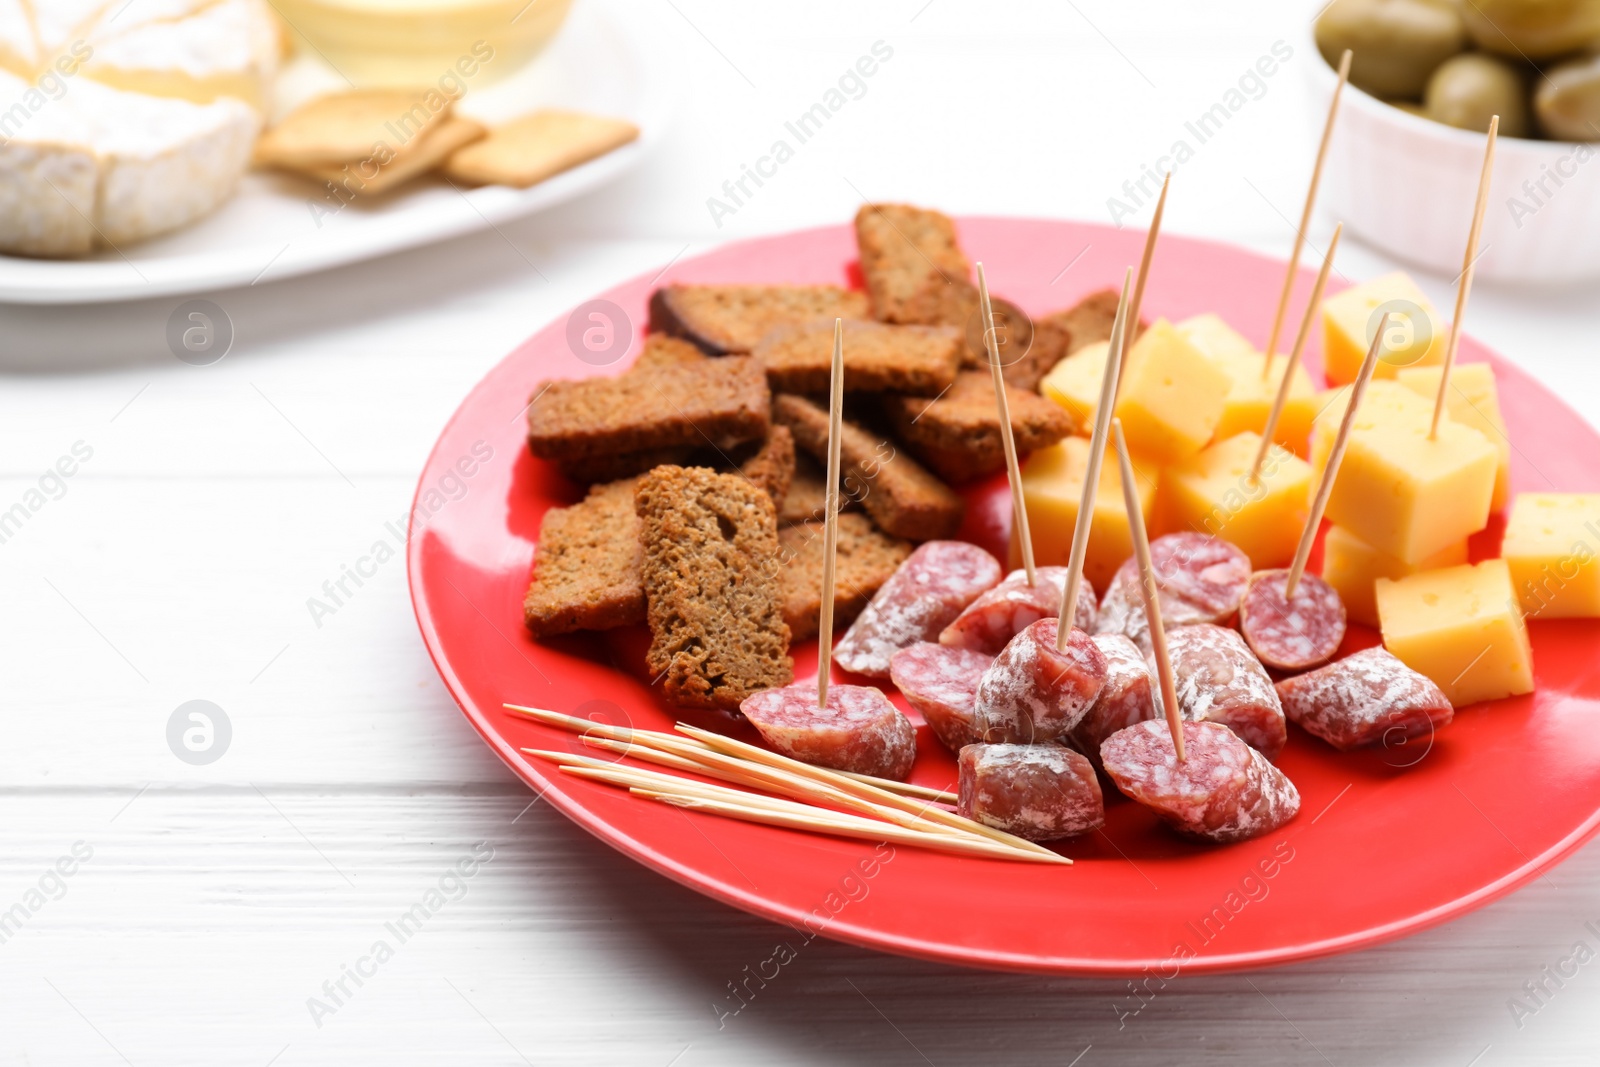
pixel 1330 470
pixel 1144 270
pixel 1468 267
pixel 1305 214
pixel 1294 357
pixel 830 528
pixel 865 830
pixel 589 731
pixel 1091 475
pixel 1152 595
pixel 873 793
pixel 1019 508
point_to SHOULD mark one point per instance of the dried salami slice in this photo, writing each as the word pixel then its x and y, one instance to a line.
pixel 1365 699
pixel 924 596
pixel 1034 693
pixel 1130 695
pixel 1219 680
pixel 1198 579
pixel 1037 792
pixel 942 684
pixel 1291 634
pixel 1224 790
pixel 858 731
pixel 1010 607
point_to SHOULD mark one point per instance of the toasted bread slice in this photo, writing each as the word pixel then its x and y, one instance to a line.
pixel 866 559
pixel 958 434
pixel 807 495
pixel 668 403
pixel 770 466
pixel 732 319
pixel 903 498
pixel 920 360
pixel 586 566
pixel 913 265
pixel 713 592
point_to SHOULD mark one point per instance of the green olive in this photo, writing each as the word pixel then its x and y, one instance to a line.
pixel 1395 44
pixel 1470 89
pixel 1568 101
pixel 1533 29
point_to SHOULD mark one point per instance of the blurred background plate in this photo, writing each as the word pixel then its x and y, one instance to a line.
pixel 278 225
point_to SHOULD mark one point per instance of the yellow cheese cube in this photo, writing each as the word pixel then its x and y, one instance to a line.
pixel 1473 401
pixel 1213 493
pixel 1412 496
pixel 1552 546
pixel 1384 402
pixel 1171 396
pixel 1462 627
pixel 1074 383
pixel 1416 336
pixel 1353 567
pixel 1252 393
pixel 1052 487
pixel 1214 337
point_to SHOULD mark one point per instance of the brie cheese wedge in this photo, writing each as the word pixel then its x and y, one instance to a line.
pixel 124 119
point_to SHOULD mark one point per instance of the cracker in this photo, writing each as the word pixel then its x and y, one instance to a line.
pixel 958 434
pixel 528 150
pixel 418 156
pixel 913 265
pixel 357 125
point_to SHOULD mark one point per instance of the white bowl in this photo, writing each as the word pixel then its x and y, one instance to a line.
pixel 1408 185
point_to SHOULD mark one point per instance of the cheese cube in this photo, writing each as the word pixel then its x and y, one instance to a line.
pixel 1353 568
pixel 1052 487
pixel 1171 396
pixel 1409 495
pixel 1384 402
pixel 1212 493
pixel 1214 337
pixel 1473 401
pixel 1552 546
pixel 1416 336
pixel 1074 383
pixel 1462 627
pixel 1252 393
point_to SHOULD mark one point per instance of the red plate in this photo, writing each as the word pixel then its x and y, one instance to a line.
pixel 1387 843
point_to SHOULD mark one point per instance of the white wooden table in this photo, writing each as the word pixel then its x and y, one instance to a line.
pixel 176 562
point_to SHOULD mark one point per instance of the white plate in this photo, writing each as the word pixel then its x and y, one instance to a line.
pixel 278 226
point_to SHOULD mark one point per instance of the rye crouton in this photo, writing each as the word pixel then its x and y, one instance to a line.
pixel 914 268
pixel 902 497
pixel 668 403
pixel 920 360
pixel 866 559
pixel 586 566
pixel 958 434
pixel 731 319
pixel 770 465
pixel 711 574
pixel 808 493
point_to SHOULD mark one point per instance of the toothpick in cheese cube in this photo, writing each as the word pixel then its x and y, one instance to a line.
pixel 1416 336
pixel 1171 397
pixel 1052 486
pixel 1213 493
pixel 1473 401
